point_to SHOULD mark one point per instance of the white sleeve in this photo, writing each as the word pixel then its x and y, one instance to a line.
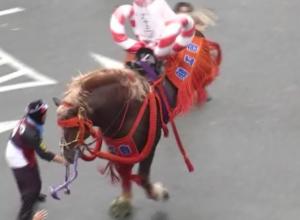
pixel 168 13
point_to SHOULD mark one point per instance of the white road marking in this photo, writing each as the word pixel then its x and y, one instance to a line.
pixel 11 11
pixel 21 70
pixel 11 76
pixel 7 125
pixel 106 62
pixel 2 61
pixel 3 25
pixel 22 86
pixel 15 29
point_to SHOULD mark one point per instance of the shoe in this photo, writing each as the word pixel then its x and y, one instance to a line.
pixel 42 197
pixel 208 99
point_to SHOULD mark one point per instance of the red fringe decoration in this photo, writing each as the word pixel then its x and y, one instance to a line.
pixel 115 174
pixel 201 73
pixel 110 170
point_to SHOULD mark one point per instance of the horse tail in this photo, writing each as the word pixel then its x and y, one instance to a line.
pixel 204 18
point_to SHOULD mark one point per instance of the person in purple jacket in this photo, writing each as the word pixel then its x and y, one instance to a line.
pixel 25 140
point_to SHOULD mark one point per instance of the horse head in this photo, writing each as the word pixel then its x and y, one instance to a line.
pixel 76 127
pixel 88 107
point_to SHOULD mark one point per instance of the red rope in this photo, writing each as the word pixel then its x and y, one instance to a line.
pixel 163 124
pixel 122 120
pixel 82 123
pixel 150 139
pixel 175 131
pixel 151 101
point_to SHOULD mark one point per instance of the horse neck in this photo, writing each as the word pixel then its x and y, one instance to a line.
pixel 106 104
pixel 171 92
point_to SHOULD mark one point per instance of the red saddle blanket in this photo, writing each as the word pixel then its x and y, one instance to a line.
pixel 191 70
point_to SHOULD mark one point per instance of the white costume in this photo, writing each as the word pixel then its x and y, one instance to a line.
pixel 155 25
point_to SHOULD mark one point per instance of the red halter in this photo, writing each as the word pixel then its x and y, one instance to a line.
pixel 84 125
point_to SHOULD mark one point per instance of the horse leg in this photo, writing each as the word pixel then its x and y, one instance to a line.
pixel 154 191
pixel 121 206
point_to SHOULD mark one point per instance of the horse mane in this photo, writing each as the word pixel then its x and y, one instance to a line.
pixel 80 86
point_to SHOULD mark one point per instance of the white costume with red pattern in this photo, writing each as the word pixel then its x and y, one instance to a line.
pixel 155 25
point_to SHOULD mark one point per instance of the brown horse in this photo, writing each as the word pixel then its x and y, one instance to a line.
pixel 123 108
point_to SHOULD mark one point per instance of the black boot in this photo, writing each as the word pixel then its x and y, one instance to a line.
pixel 42 197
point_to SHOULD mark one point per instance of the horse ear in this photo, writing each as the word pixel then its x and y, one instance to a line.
pixel 56 101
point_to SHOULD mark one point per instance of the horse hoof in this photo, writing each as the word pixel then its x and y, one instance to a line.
pixel 159 192
pixel 120 208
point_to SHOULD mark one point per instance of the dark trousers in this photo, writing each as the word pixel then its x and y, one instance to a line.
pixel 29 183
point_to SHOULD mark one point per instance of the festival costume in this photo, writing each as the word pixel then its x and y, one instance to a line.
pixel 171 37
pixel 192 70
pixel 155 26
pixel 24 141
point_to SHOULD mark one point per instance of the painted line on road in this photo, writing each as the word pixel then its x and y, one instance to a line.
pixel 22 86
pixel 11 76
pixel 7 125
pixel 21 70
pixel 106 62
pixel 11 11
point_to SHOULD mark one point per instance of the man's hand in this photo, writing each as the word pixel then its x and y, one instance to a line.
pixel 40 215
pixel 60 159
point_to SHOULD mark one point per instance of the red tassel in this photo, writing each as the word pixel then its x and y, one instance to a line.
pixel 189 164
pixel 109 170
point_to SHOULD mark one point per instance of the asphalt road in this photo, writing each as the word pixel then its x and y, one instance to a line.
pixel 244 143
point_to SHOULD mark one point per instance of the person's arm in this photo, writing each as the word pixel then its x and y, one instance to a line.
pixel 60 159
pixel 34 140
pixel 48 155
pixel 42 151
pixel 117 28
pixel 167 11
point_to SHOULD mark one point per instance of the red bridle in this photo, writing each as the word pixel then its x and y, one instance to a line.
pixel 84 125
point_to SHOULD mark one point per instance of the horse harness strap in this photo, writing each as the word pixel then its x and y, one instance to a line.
pixel 123 112
pixel 82 122
pixel 136 157
pixel 162 99
pixel 83 125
